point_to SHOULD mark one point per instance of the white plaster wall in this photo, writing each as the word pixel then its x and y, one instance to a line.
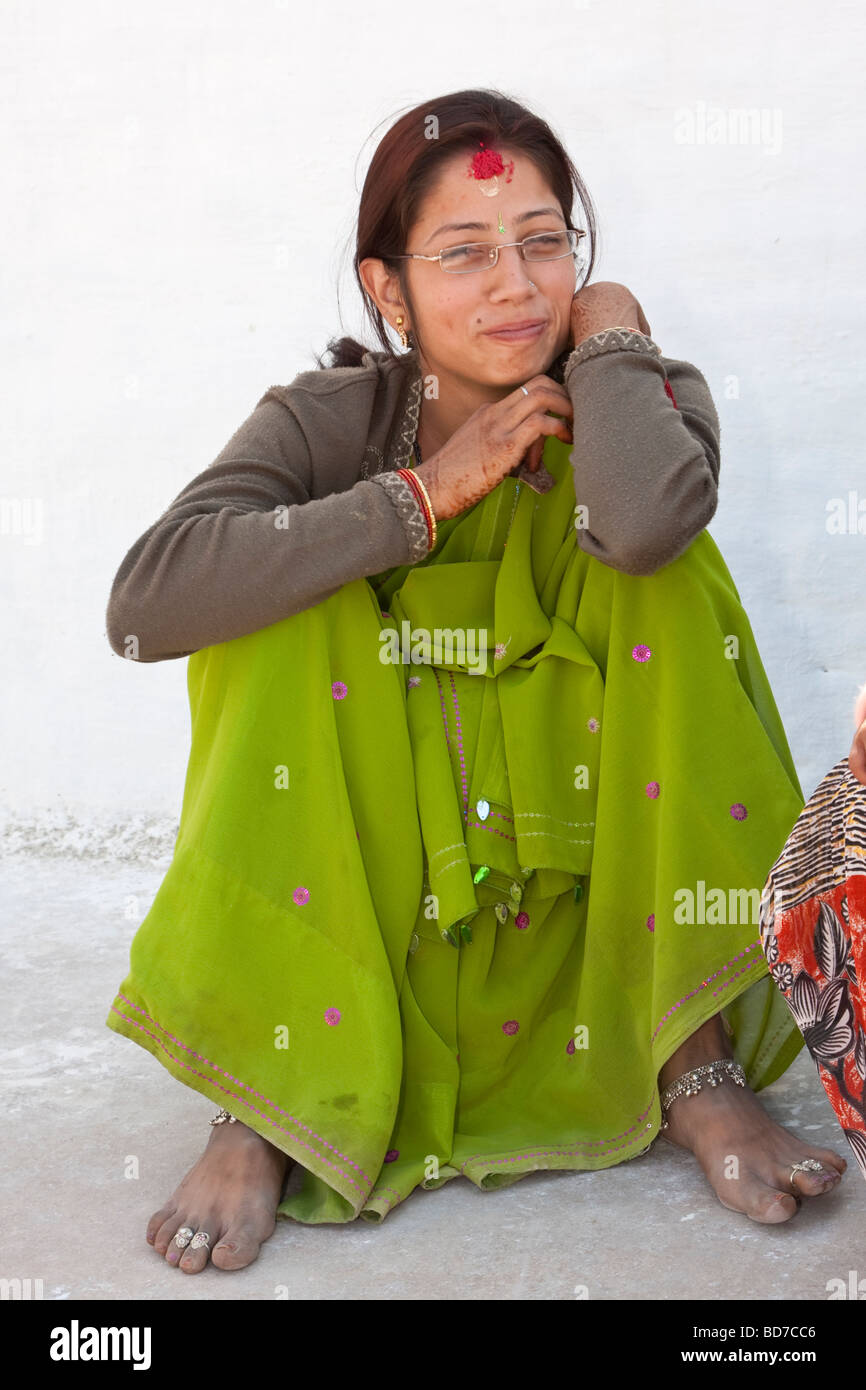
pixel 157 162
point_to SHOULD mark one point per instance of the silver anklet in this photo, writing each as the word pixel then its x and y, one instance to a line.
pixel 690 1082
pixel 222 1116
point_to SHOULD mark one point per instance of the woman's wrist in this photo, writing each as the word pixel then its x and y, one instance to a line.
pixel 609 327
pixel 428 472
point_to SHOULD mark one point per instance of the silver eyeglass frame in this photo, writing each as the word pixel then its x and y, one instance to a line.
pixel 496 247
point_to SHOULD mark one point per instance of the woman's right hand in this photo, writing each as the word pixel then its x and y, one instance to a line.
pixel 493 442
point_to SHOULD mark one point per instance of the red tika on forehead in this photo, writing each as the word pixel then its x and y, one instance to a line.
pixel 486 164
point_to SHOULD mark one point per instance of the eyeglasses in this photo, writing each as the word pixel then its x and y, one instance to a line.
pixel 484 255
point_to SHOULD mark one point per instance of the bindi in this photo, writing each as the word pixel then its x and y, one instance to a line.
pixel 486 165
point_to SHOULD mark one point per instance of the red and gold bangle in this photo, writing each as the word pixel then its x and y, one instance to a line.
pixel 423 500
pixel 415 486
pixel 429 504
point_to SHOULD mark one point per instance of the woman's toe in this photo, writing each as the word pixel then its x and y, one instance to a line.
pixel 761 1200
pixel 769 1205
pixel 830 1158
pixel 238 1247
pixel 807 1182
pixel 194 1259
pixel 163 1241
pixel 158 1219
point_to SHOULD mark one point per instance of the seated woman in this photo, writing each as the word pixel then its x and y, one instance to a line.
pixel 486 773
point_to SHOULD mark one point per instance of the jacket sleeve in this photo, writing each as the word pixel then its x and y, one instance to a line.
pixel 646 469
pixel 244 544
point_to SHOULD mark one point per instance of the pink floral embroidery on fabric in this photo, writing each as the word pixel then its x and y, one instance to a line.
pixel 652 789
pixel 391 1155
pixel 301 896
pixel 339 690
pixel 385 615
pixel 332 1016
pixel 510 1027
pixel 651 922
pixel 738 811
pixel 569 1047
pixel 413 680
pixel 593 725
pixel 521 921
pixel 641 653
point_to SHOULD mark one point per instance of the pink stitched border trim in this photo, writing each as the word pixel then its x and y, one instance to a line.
pixel 574 1150
pixel 398 1197
pixel 482 825
pixel 258 1096
pixel 670 1013
pixel 515 1158
pixel 459 745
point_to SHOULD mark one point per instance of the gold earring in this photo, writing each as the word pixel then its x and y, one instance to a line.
pixel 404 339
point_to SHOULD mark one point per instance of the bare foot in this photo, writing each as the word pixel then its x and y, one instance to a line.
pixel 232 1192
pixel 746 1156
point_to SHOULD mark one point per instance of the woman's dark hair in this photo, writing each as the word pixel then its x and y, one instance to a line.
pixel 405 166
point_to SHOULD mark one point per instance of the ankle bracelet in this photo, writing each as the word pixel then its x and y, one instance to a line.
pixel 222 1116
pixel 690 1082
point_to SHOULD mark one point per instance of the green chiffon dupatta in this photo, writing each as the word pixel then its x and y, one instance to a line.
pixel 450 916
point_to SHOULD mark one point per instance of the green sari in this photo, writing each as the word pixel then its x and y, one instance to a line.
pixel 450 916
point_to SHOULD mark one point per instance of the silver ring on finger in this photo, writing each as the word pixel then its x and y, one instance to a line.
pixel 524 390
pixel 183 1237
pixel 809 1165
pixel 199 1239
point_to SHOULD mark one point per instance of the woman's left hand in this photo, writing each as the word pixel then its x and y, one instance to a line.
pixel 857 756
pixel 605 305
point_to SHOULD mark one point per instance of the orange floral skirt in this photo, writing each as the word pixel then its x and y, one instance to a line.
pixel 813 933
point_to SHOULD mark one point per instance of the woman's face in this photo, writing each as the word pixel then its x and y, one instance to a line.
pixel 454 313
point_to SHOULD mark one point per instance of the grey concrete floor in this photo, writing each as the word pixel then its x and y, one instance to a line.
pixel 81 1104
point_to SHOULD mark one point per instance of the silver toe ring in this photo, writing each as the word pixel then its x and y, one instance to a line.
pixel 809 1165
